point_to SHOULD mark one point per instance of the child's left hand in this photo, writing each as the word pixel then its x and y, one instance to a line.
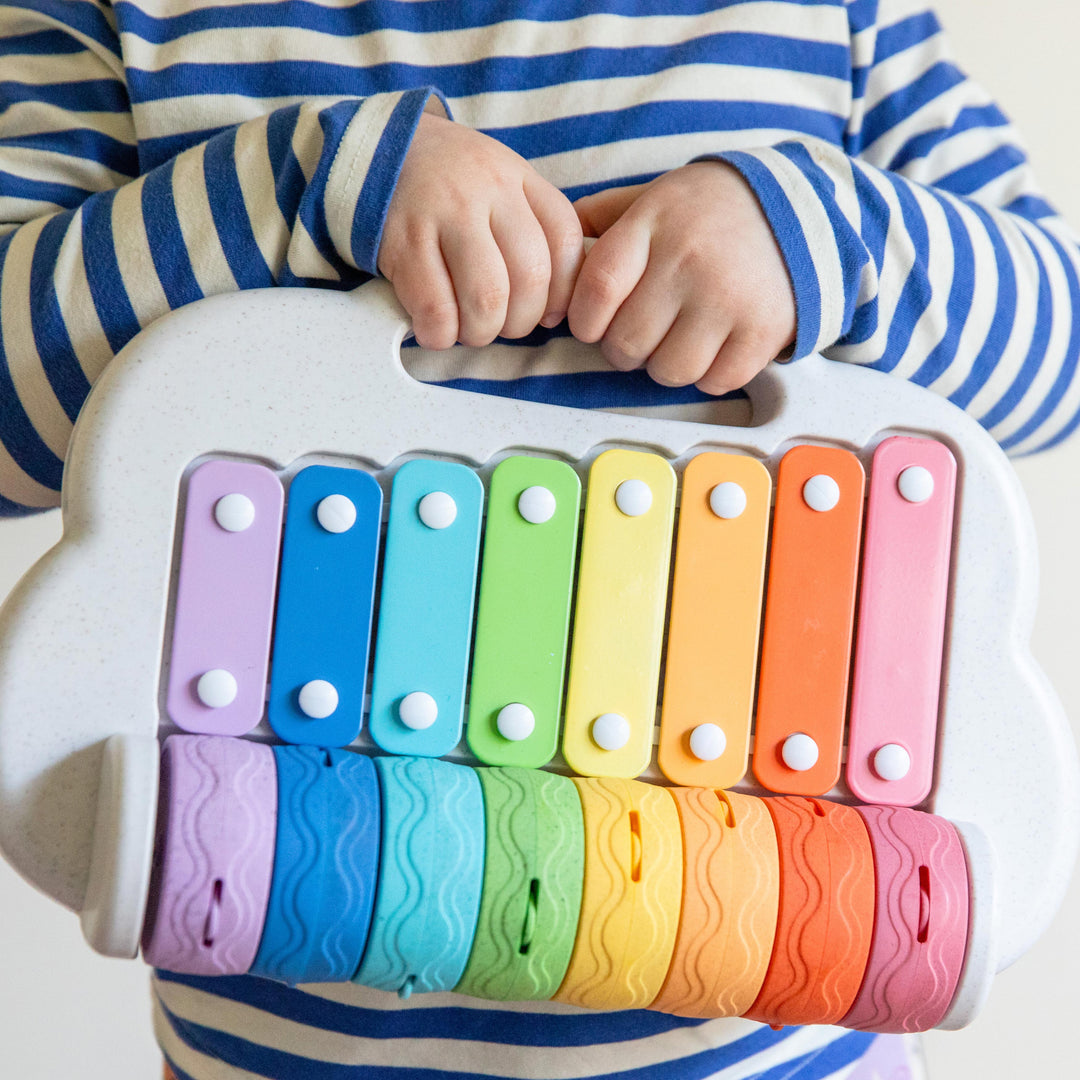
pixel 686 278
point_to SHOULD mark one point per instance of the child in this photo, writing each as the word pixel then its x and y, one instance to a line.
pixel 765 179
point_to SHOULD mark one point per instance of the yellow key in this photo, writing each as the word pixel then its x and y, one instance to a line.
pixel 619 614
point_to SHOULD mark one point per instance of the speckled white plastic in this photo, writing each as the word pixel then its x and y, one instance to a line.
pixel 280 375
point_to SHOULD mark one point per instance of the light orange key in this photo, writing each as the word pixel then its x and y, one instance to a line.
pixel 809 611
pixel 715 618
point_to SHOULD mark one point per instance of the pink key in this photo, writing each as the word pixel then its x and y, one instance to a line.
pixel 920 922
pixel 224 608
pixel 898 650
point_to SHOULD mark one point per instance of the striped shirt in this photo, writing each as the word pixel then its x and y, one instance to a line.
pixel 153 152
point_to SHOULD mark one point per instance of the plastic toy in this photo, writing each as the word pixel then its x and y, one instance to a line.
pixel 187 722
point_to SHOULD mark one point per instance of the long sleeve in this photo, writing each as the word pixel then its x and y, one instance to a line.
pixel 90 251
pixel 923 246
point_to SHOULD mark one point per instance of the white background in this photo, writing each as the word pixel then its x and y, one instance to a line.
pixel 66 1012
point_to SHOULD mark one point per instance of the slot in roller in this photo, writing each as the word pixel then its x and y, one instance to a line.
pixel 512 559
pixel 417 875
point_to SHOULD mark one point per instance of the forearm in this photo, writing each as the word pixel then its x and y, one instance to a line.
pixel 295 197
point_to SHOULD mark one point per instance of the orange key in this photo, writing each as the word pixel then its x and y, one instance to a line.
pixel 715 618
pixel 809 612
pixel 826 917
pixel 731 889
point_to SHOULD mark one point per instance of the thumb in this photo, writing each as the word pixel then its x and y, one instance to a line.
pixel 599 211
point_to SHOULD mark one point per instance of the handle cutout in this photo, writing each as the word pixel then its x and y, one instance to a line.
pixel 210 927
pixel 529 925
pixel 635 846
pixel 924 904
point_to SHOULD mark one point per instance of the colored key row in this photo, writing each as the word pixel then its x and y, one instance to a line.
pixel 719 649
pixel 414 874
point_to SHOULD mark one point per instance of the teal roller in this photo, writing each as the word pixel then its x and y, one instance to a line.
pixel 430 877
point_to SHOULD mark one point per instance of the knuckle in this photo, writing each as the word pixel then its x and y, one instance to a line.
pixel 600 284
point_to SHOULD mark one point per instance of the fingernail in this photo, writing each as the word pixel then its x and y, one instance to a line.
pixel 552 318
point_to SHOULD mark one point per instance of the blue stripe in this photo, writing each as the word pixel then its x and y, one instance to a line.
pixel 849 245
pixel 662 118
pixel 913 30
pixel 822 1063
pixel 1037 350
pixel 1067 372
pixel 311 77
pixel 23 443
pixel 93 146
pixel 230 214
pixel 11 509
pixel 157 151
pixel 381 179
pixel 899 105
pixel 916 294
pixel 88 95
pixel 971 177
pixel 43 191
pixel 103 275
pixel 997 339
pixel 967 119
pixel 289 178
pixel 166 241
pixel 58 358
pixel 41 43
pixel 362 18
pixel 958 306
pixel 85 18
pixel 1031 207
pixel 874 223
pixel 789 235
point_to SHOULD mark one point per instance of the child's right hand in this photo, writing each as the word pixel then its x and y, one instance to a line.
pixel 476 243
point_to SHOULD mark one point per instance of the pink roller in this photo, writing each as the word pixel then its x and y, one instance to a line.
pixel 920 922
pixel 214 855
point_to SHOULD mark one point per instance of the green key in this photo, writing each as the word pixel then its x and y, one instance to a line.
pixel 526 580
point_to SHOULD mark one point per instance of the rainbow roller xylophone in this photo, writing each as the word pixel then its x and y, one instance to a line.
pixel 339 676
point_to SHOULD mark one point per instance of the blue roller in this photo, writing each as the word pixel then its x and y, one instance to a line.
pixel 326 864
pixel 431 873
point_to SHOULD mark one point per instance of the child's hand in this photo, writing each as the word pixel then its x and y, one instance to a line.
pixel 686 279
pixel 476 242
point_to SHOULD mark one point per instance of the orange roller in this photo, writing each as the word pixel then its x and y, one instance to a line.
pixel 826 916
pixel 630 898
pixel 731 888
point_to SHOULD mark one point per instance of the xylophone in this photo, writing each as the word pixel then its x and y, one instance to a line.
pixel 339 676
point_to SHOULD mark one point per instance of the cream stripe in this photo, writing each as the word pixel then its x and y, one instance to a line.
pixel 77 304
pixel 137 268
pixel 256 180
pixel 51 167
pixel 42 69
pixel 208 262
pixel 511 38
pixel 903 68
pixel 31 118
pixel 15 484
pixel 27 373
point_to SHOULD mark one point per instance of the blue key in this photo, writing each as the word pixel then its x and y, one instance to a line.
pixel 322 633
pixel 426 608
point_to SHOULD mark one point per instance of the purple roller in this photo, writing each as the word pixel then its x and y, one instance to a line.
pixel 224 609
pixel 214 855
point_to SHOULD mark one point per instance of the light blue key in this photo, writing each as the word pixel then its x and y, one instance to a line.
pixel 322 634
pixel 426 608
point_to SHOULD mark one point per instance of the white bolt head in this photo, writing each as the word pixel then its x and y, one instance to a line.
pixel 437 510
pixel 707 742
pixel 633 497
pixel 318 699
pixel 916 484
pixel 336 513
pixel 611 731
pixel 536 505
pixel 418 710
pixel 727 500
pixel 800 752
pixel 821 493
pixel 216 688
pixel 892 762
pixel 515 722
pixel 234 512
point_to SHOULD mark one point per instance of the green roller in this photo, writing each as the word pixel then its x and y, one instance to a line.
pixel 531 899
